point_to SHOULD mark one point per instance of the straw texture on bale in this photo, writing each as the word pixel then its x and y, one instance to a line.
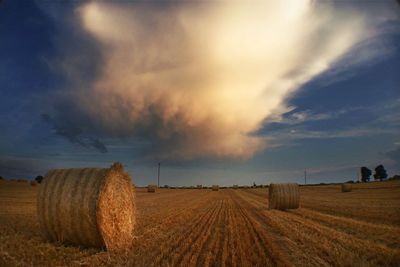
pixel 215 187
pixel 284 196
pixel 151 188
pixel 89 207
pixel 346 187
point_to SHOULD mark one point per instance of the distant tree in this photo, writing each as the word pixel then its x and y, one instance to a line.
pixel 1 177
pixel 365 174
pixel 254 184
pixel 380 173
pixel 39 179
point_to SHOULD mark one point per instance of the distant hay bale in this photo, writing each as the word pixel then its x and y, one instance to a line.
pixel 33 183
pixel 346 187
pixel 89 207
pixel 284 196
pixel 215 187
pixel 151 188
pixel 22 181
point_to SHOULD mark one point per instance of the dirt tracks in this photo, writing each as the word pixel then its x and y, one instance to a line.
pixel 226 228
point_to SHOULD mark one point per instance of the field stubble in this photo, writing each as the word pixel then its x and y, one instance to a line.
pixel 224 228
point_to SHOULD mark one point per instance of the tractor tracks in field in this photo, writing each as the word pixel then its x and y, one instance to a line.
pixel 378 233
pixel 172 211
pixel 178 239
pixel 223 236
pixel 319 234
pixel 229 239
pixel 236 228
pixel 199 237
pixel 277 247
pixel 383 234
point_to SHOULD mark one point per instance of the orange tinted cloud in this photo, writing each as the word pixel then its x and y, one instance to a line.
pixel 198 80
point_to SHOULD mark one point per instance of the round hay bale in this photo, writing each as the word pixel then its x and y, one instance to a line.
pixel 33 183
pixel 284 196
pixel 151 188
pixel 215 187
pixel 89 207
pixel 346 187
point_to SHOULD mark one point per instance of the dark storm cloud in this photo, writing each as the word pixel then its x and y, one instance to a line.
pixel 73 133
pixel 170 78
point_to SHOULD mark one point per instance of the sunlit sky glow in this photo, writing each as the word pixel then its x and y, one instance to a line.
pixel 218 91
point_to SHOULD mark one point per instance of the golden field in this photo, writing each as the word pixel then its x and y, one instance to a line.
pixel 229 227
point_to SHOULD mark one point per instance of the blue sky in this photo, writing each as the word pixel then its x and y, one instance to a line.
pixel 339 119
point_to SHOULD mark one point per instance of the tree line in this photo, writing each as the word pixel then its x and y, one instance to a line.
pixel 380 173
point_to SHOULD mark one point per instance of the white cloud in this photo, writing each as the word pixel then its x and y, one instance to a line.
pixel 198 79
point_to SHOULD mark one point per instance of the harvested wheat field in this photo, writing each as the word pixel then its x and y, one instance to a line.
pixel 224 228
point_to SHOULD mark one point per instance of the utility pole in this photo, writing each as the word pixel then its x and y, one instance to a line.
pixel 305 176
pixel 158 179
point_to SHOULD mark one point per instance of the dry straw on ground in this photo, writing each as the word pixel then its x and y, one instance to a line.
pixel 89 207
pixel 151 188
pixel 284 196
pixel 215 187
pixel 346 187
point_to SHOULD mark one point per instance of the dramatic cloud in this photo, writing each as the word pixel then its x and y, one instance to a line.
pixel 199 79
pixel 73 134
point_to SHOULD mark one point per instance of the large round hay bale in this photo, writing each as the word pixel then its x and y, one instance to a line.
pixel 215 187
pixel 151 188
pixel 346 187
pixel 89 207
pixel 284 196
